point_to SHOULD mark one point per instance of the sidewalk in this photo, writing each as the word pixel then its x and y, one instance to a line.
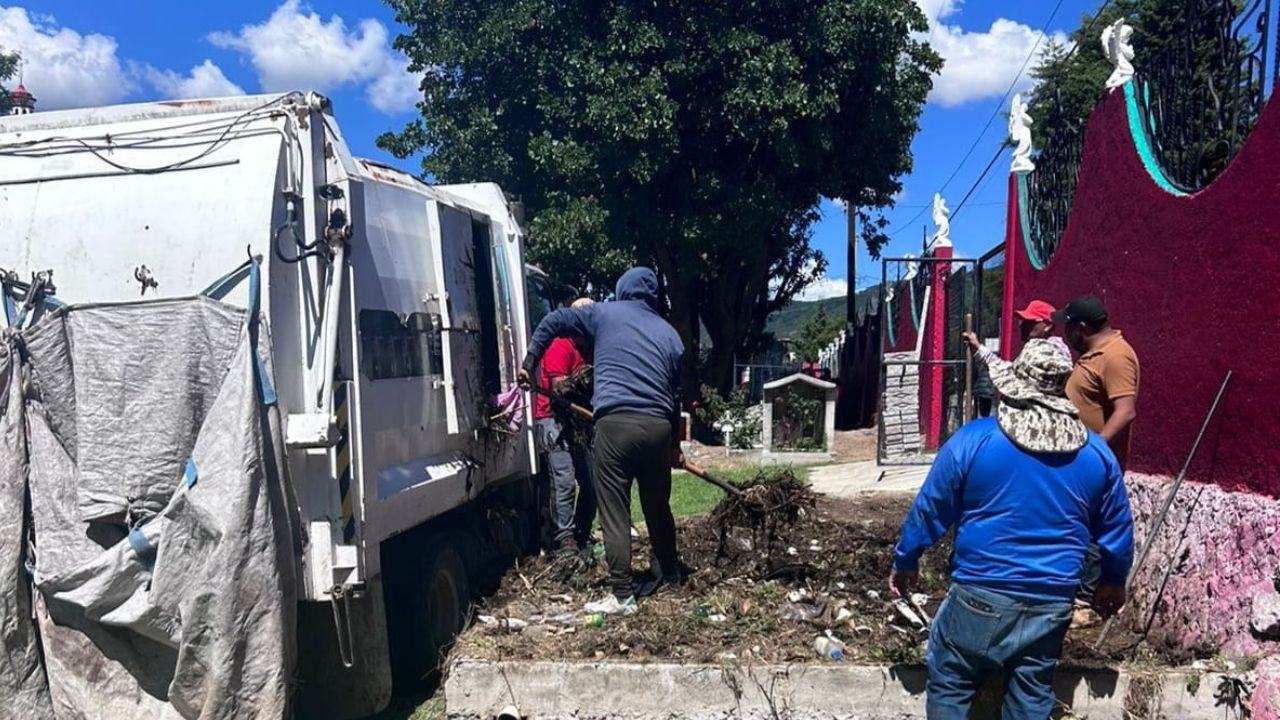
pixel 853 479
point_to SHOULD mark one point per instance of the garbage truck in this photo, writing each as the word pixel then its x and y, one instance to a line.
pixel 263 431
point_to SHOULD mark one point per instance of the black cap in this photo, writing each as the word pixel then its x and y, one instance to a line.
pixel 1086 309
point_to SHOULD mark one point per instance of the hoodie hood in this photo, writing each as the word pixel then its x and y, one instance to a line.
pixel 638 283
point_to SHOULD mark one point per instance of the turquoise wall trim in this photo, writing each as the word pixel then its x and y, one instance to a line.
pixel 915 314
pixel 1024 221
pixel 891 324
pixel 1143 142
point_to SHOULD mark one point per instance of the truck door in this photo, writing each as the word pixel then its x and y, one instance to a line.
pixel 467 319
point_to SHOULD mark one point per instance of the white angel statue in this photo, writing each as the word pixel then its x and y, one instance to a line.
pixel 1020 135
pixel 1116 46
pixel 942 219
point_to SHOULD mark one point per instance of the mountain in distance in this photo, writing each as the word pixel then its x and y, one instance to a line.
pixel 788 320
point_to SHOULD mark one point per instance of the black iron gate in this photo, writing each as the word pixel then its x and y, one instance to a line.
pixel 903 438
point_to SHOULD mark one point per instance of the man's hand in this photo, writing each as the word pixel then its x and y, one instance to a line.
pixel 524 379
pixel 903 582
pixel 972 339
pixel 1108 599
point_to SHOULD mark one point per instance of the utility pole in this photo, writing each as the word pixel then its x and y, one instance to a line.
pixel 851 267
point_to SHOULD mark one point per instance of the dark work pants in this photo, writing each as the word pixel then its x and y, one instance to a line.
pixel 635 447
pixel 1092 575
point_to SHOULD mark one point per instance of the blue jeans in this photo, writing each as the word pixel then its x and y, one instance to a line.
pixel 569 465
pixel 979 633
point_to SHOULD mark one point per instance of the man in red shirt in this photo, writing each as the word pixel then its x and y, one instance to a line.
pixel 568 460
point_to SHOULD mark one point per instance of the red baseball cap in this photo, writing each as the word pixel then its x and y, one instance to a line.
pixel 1037 310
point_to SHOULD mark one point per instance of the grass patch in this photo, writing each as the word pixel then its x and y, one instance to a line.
pixel 694 496
pixel 413 708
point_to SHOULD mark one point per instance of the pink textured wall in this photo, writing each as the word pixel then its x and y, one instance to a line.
pixel 1229 553
pixel 1194 283
pixel 933 349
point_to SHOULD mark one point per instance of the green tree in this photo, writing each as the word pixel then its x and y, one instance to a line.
pixel 8 68
pixel 696 136
pixel 1069 84
pixel 815 334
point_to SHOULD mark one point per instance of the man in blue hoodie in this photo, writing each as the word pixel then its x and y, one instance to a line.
pixel 636 401
pixel 1026 492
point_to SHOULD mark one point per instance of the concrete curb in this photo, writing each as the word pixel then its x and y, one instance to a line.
pixel 478 690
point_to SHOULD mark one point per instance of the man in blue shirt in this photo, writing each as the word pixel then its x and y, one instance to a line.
pixel 1026 492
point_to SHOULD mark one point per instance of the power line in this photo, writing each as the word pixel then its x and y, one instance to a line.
pixel 995 112
pixel 999 151
pixel 1088 30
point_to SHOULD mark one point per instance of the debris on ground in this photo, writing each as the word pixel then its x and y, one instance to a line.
pixel 749 598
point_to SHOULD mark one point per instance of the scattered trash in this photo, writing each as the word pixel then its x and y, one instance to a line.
pixel 718 618
pixel 792 551
pixel 1200 665
pixel 843 615
pixel 862 629
pixel 593 620
pixel 726 657
pixel 507 624
pixel 873 595
pixel 799 612
pixel 839 586
pixel 828 648
pixel 564 618
pixel 906 613
pixel 560 598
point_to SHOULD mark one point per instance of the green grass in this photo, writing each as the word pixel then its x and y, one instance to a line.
pixel 414 709
pixel 692 495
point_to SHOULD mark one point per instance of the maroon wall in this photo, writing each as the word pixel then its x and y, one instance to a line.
pixel 1194 283
pixel 900 315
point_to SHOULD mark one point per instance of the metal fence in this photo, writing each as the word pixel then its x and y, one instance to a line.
pixel 1201 85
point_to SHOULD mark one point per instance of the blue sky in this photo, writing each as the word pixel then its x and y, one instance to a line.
pixel 92 53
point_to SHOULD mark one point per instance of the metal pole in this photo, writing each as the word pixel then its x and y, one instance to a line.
pixel 1168 502
pixel 851 267
pixel 968 371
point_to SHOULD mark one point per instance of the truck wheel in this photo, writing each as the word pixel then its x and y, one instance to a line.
pixel 447 602
pixel 426 614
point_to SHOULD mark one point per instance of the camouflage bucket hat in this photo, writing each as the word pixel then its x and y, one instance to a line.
pixel 1034 410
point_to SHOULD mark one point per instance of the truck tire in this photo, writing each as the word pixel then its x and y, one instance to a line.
pixel 448 601
pixel 428 618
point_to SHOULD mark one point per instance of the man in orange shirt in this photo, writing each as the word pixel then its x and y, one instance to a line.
pixel 1104 388
pixel 1104 384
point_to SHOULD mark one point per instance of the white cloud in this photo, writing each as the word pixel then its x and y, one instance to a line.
pixel 395 90
pixel 205 80
pixel 63 68
pixel 980 65
pixel 296 49
pixel 824 288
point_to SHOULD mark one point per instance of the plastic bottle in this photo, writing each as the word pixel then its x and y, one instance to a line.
pixel 828 648
pixel 593 620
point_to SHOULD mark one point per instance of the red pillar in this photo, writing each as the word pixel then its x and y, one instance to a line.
pixel 933 348
pixel 1013 251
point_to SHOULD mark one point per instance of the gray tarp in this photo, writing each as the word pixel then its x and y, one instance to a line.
pixel 147 416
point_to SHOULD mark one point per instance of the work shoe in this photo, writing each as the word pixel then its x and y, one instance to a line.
pixel 568 546
pixel 611 605
pixel 1084 617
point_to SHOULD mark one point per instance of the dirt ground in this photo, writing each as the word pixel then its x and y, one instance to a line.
pixel 748 600
pixel 849 447
pixel 854 446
